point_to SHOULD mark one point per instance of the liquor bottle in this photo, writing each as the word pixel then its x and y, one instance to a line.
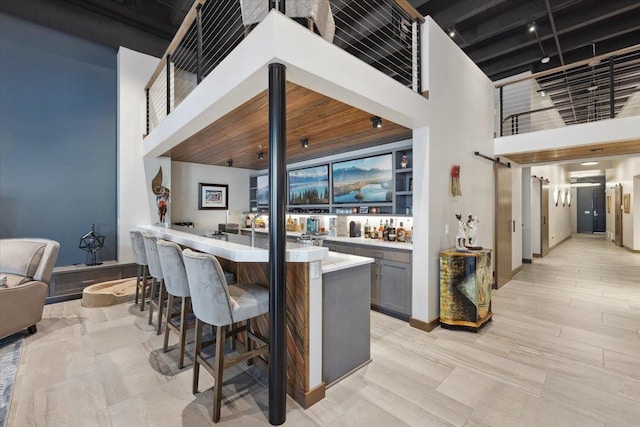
pixel 385 235
pixel 392 231
pixel 381 231
pixel 400 235
pixel 367 229
pixel 408 232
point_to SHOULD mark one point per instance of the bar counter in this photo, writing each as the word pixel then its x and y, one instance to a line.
pixel 314 284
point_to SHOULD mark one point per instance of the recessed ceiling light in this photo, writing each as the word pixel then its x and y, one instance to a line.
pixel 545 60
pixel 589 163
pixel 542 93
pixel 452 32
pixel 532 27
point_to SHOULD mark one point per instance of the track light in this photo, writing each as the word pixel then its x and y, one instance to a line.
pixel 260 155
pixel 452 32
pixel 532 26
pixel 229 163
pixel 376 122
pixel 304 143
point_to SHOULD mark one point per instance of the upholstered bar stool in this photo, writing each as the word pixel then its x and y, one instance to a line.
pixel 176 285
pixel 221 305
pixel 157 287
pixel 137 243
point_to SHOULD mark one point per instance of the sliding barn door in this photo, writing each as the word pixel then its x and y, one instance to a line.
pixel 504 225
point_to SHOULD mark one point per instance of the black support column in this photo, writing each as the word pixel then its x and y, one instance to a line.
pixel 277 243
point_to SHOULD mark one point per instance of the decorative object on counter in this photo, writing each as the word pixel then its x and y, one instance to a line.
pixel 162 196
pixel 92 242
pixel 472 233
pixel 461 237
pixel 626 202
pixel 404 161
pixel 354 229
pixel 456 190
pixel 465 289
pixel 213 196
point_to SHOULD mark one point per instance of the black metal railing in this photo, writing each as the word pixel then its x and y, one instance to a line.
pixel 603 87
pixel 379 32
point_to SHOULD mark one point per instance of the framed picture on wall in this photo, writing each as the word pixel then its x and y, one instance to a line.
pixel 608 204
pixel 626 203
pixel 213 196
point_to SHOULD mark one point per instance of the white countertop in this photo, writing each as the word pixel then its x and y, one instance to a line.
pixel 336 261
pixel 352 240
pixel 232 250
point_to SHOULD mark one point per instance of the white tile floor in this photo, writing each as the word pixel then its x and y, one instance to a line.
pixel 563 349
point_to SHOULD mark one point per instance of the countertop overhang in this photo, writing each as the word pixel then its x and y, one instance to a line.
pixel 232 250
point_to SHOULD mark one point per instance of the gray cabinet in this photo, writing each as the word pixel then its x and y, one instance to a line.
pixel 391 280
pixel 68 282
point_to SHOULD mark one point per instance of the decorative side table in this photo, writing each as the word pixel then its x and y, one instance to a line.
pixel 465 288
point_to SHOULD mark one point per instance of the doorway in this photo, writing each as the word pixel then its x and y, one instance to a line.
pixel 504 224
pixel 617 209
pixel 591 209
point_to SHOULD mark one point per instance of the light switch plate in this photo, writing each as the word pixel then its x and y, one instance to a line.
pixel 315 269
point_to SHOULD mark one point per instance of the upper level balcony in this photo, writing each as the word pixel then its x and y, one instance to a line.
pixel 230 40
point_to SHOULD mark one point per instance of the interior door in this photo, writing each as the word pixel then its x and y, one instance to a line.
pixel 618 212
pixel 504 225
pixel 599 210
pixel 585 210
pixel 544 219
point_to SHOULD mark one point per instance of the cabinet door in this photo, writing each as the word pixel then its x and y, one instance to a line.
pixel 375 283
pixel 395 286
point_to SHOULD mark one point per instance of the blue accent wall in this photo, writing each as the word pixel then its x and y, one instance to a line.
pixel 57 138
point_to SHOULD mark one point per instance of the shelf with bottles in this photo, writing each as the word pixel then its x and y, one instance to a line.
pixel 388 230
pixel 378 209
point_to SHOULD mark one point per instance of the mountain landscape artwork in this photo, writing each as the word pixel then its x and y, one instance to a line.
pixel 366 180
pixel 263 189
pixel 309 186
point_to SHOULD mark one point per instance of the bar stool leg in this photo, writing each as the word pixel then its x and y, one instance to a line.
pixel 138 282
pixel 154 283
pixel 144 286
pixel 218 368
pixel 196 356
pixel 166 325
pixel 248 340
pixel 183 330
pixel 160 306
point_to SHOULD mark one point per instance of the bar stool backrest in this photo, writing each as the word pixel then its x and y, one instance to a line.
pixel 209 292
pixel 138 247
pixel 151 249
pixel 175 276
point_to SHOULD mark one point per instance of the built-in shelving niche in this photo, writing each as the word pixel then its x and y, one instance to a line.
pixel 401 204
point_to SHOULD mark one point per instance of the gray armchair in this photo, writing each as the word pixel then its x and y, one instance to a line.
pixel 26 266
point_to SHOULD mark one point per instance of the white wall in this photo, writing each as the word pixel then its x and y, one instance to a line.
pixel 134 69
pixel 516 215
pixel 184 194
pixel 623 172
pixel 460 118
pixel 559 216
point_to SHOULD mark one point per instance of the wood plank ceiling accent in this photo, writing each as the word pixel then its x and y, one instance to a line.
pixel 331 127
pixel 577 153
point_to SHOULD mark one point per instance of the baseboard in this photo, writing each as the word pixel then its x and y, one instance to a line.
pixel 337 380
pixel 517 270
pixel 424 326
pixel 307 398
pixel 635 251
pixel 527 261
pixel 537 256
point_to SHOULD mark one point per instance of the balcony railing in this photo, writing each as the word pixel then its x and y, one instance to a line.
pixel 599 88
pixel 381 33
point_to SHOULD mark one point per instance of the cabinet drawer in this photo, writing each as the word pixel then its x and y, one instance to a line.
pixel 74 282
pixel 398 256
pixel 361 251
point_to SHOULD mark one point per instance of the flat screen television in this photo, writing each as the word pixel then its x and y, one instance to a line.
pixel 263 189
pixel 309 186
pixel 364 180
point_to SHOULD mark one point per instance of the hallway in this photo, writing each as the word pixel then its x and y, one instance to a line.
pixel 563 349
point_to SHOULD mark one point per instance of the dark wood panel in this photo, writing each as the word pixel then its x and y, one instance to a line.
pixel 331 127
pixel 577 153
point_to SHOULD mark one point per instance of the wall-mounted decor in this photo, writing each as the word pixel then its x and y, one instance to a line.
pixel 309 186
pixel 263 189
pixel 213 196
pixel 456 190
pixel 626 202
pixel 363 180
pixel 162 195
pixel 608 204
